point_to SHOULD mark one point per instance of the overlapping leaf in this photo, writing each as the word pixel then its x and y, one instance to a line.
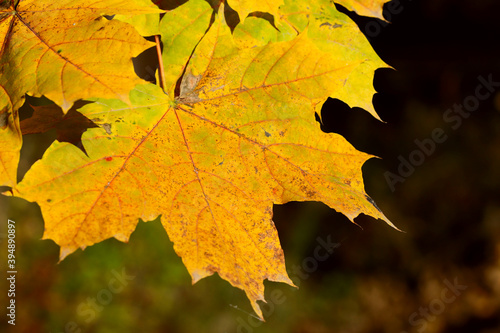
pixel 240 137
pixel 10 143
pixel 336 34
pixel 181 30
pixel 69 126
pixel 66 51
pixel 332 32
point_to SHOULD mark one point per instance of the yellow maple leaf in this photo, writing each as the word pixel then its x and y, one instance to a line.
pixel 239 138
pixel 52 39
pixel 65 50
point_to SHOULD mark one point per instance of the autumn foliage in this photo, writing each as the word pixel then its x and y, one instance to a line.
pixel 228 132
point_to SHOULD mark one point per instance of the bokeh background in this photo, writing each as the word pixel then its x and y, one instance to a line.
pixel 377 279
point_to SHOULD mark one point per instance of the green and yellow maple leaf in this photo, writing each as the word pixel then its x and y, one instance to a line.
pixel 240 137
pixel 65 50
pixel 334 33
pixel 181 30
pixel 52 40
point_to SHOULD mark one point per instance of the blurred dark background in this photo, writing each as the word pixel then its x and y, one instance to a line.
pixel 441 275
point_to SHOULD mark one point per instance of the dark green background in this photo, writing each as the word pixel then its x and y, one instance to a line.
pixel 378 277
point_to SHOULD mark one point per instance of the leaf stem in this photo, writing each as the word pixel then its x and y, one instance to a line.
pixel 160 61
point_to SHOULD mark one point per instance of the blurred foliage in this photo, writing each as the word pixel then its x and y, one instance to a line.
pixel 449 209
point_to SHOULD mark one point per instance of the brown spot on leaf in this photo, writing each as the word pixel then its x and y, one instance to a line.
pixel 107 128
pixel 187 91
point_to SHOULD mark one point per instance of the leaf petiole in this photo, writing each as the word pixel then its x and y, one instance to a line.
pixel 160 62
